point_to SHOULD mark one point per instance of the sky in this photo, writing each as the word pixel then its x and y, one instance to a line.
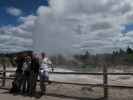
pixel 17 18
pixel 63 26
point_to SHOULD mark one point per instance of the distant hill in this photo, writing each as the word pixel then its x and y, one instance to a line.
pixel 15 53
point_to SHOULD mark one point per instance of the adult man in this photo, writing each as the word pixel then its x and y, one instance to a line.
pixel 35 65
pixel 16 84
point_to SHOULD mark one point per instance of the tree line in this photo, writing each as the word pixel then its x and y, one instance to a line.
pixel 119 57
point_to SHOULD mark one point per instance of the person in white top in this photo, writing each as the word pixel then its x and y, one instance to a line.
pixel 44 71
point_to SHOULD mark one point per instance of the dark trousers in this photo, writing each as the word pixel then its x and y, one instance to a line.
pixel 42 86
pixel 17 83
pixel 33 82
pixel 26 82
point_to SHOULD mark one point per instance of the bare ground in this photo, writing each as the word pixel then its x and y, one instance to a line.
pixel 67 92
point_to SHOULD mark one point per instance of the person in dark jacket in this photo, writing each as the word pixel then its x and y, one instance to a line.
pixel 35 65
pixel 17 82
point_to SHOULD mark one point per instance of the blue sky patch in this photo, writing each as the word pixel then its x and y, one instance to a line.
pixel 128 27
pixel 26 6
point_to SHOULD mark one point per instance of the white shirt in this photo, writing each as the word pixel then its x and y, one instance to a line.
pixel 45 64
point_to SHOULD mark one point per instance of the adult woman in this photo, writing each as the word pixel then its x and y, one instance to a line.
pixel 44 72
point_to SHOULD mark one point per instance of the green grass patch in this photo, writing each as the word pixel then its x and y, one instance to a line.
pixel 88 66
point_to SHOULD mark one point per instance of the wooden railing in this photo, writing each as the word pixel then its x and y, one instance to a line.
pixel 105 84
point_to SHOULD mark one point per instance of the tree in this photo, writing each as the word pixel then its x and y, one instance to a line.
pixel 129 50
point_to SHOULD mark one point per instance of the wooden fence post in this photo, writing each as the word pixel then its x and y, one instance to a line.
pixel 105 82
pixel 4 75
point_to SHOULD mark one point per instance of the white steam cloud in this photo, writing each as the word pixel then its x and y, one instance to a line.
pixel 77 25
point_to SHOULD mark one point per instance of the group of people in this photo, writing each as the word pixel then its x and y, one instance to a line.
pixel 29 67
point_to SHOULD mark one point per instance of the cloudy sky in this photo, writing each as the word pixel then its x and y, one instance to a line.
pixel 64 26
pixel 17 20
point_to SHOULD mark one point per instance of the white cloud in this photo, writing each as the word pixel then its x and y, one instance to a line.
pixel 17 38
pixel 14 11
pixel 76 25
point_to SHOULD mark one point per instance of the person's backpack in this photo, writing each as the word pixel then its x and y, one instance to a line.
pixel 15 87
